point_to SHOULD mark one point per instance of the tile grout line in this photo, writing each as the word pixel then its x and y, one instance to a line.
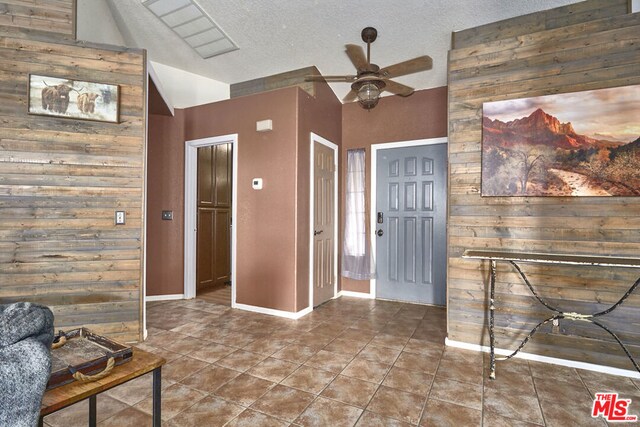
pixel 387 373
pixel 353 358
pixel 433 380
pixel 378 385
pixel 535 390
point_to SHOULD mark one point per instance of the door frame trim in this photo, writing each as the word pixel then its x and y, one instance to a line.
pixel 190 209
pixel 317 138
pixel 374 172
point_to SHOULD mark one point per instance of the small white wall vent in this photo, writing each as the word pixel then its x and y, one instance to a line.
pixel 264 125
pixel 189 21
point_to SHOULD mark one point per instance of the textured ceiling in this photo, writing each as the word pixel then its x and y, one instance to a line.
pixel 275 36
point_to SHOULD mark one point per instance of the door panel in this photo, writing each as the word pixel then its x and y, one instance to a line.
pixel 323 224
pixel 222 243
pixel 427 251
pixel 411 195
pixel 205 178
pixel 213 264
pixel 204 267
pixel 222 171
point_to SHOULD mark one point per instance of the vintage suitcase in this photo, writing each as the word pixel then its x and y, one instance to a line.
pixel 81 355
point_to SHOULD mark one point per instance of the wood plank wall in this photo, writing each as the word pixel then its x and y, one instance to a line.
pixel 52 19
pixel 61 181
pixel 277 81
pixel 590 45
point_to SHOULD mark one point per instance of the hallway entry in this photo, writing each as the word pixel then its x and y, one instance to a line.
pixel 213 266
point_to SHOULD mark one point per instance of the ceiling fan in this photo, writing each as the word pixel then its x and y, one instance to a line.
pixel 370 80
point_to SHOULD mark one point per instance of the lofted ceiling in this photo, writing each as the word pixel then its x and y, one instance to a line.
pixel 276 36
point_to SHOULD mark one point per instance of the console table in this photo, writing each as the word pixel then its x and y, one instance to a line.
pixel 514 258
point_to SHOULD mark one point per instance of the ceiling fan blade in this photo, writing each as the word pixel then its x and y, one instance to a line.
pixel 357 56
pixel 351 96
pixel 421 63
pixel 397 88
pixel 317 78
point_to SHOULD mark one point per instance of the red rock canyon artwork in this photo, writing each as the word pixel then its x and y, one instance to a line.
pixel 572 144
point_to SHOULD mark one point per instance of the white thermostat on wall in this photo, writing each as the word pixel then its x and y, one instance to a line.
pixel 256 183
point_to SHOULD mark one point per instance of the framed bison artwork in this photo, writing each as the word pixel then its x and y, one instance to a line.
pixel 60 97
pixel 571 144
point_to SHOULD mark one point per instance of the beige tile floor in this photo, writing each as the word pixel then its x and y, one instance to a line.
pixel 350 362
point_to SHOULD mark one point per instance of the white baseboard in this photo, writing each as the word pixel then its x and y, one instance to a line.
pixel 545 359
pixel 163 297
pixel 354 294
pixel 273 312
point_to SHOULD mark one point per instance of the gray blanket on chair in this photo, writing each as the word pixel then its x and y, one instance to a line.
pixel 26 333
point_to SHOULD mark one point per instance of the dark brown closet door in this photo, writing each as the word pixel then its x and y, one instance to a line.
pixel 214 216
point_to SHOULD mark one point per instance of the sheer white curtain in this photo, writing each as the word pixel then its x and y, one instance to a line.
pixel 357 259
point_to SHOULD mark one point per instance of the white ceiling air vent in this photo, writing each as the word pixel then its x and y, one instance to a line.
pixel 187 19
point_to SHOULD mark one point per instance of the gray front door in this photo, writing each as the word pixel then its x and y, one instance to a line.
pixel 411 249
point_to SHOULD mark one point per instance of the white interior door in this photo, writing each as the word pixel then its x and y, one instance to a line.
pixel 323 223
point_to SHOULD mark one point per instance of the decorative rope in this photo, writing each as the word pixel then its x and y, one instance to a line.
pixel 79 376
pixel 62 340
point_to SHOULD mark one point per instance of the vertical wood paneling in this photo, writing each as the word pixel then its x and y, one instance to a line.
pixel 588 45
pixel 61 181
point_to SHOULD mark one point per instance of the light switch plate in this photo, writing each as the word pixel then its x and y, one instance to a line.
pixel 120 218
pixel 256 183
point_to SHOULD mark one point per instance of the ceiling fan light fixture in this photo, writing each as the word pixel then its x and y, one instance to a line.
pixel 369 95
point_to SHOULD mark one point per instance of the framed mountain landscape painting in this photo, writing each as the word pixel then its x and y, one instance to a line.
pixel 572 144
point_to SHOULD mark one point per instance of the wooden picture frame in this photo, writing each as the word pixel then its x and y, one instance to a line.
pixel 571 144
pixel 73 99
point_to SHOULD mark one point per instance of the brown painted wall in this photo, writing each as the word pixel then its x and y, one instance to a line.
pixel 321 115
pixel 265 266
pixel 165 191
pixel 420 116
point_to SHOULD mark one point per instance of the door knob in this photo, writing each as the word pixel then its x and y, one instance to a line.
pixel 380 232
pixel 315 233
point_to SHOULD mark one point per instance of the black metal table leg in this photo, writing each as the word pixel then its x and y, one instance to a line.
pixel 92 411
pixel 558 314
pixel 157 403
pixel 492 308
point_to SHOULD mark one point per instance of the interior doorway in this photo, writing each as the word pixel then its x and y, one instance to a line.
pixel 213 224
pixel 210 212
pixel 323 281
pixel 409 197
